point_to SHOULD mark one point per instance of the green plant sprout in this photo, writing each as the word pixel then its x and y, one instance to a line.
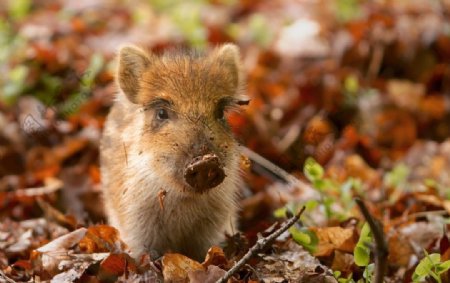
pixel 361 252
pixel 361 255
pixel 348 279
pixel 430 266
pixel 301 235
pixel 332 192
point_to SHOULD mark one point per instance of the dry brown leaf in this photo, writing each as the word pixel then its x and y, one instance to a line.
pixel 433 107
pixel 429 199
pixel 317 129
pixel 215 256
pixel 446 205
pixel 342 262
pixel 211 275
pixel 52 213
pixel 101 238
pixel 395 128
pixel 114 266
pixel 335 238
pixel 51 254
pixel 400 250
pixel 51 185
pixel 356 167
pixel 405 94
pixel 69 148
pixel 176 267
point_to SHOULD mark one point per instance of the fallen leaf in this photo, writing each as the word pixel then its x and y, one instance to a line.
pixel 101 238
pixel 114 266
pixel 334 238
pixel 176 267
pixel 50 255
pixel 343 262
pixel 215 256
pixel 405 94
pixel 400 250
pixel 52 214
pixel 211 275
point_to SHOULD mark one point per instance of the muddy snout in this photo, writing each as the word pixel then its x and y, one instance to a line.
pixel 204 172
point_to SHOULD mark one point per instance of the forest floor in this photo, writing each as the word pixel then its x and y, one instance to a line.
pixel 351 99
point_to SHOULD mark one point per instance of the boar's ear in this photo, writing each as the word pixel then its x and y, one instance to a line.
pixel 229 55
pixel 132 63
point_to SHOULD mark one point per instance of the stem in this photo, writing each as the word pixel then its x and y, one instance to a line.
pixel 260 245
pixel 381 248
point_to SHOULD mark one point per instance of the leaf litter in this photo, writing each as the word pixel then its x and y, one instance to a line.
pixel 360 87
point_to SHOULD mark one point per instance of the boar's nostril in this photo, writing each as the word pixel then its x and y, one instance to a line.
pixel 204 172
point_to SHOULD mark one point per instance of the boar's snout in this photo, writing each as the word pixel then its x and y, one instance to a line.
pixel 204 172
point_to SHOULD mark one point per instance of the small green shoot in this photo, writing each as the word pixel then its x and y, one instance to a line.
pixel 19 9
pixel 313 170
pixel 347 10
pixel 397 177
pixel 337 275
pixel 15 84
pixel 302 235
pixel 430 267
pixel 361 252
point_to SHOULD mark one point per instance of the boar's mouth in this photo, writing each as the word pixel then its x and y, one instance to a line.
pixel 204 172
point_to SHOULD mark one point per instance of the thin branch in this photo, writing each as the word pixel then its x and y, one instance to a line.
pixel 260 245
pixel 268 165
pixel 381 247
pixel 4 276
pixel 375 62
pixel 412 216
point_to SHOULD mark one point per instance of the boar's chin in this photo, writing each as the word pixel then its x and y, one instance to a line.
pixel 204 173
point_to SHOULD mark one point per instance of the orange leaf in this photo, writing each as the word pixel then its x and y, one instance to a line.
pixel 335 238
pixel 101 238
pixel 215 256
pixel 176 267
pixel 115 265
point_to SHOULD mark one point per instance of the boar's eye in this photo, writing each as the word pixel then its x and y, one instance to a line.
pixel 161 114
pixel 220 113
pixel 222 106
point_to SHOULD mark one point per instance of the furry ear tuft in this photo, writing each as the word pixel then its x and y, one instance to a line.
pixel 229 55
pixel 132 63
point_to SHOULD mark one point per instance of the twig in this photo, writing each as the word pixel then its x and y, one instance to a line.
pixel 381 248
pixel 403 219
pixel 4 276
pixel 260 245
pixel 292 180
pixel 375 62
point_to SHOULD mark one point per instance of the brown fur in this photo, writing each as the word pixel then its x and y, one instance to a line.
pixel 141 156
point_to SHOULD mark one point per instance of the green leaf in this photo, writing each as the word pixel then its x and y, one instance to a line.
pixel 18 9
pixel 280 212
pixel 347 10
pixel 368 272
pixel 425 267
pixel 260 30
pixel 351 84
pixel 320 184
pixel 362 255
pixel 311 204
pixel 96 64
pixel 443 267
pixel 303 236
pixel 361 252
pixel 397 176
pixel 313 170
pixel 15 85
